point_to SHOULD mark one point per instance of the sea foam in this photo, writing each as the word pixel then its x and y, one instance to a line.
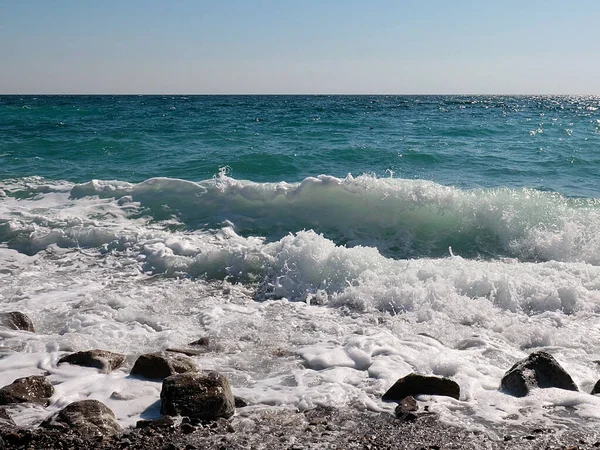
pixel 301 290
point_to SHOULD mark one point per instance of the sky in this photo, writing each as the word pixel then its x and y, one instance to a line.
pixel 299 46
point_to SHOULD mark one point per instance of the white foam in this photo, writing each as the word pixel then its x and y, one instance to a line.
pixel 295 321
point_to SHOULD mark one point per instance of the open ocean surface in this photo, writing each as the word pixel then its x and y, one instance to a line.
pixel 328 245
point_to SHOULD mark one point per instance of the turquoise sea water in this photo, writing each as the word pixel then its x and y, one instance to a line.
pixel 502 170
pixel 546 143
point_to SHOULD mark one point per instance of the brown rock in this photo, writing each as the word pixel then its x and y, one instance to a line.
pixel 101 359
pixel 538 370
pixel 16 321
pixel 414 384
pixel 407 408
pixel 161 365
pixel 86 417
pixel 596 388
pixel 33 389
pixel 202 395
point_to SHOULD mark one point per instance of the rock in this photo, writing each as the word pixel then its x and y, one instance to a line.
pixel 414 384
pixel 596 388
pixel 86 417
pixel 240 402
pixel 33 389
pixel 6 420
pixel 161 365
pixel 538 370
pixel 202 395
pixel 16 321
pixel 406 409
pixel 187 428
pixel 185 351
pixel 162 422
pixel 409 404
pixel 100 359
pixel 204 341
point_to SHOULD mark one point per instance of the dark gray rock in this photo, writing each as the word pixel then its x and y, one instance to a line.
pixel 414 384
pixel 33 389
pixel 86 417
pixel 16 321
pixel 161 365
pixel 165 422
pixel 596 388
pixel 538 370
pixel 100 359
pixel 204 341
pixel 202 395
pixel 240 402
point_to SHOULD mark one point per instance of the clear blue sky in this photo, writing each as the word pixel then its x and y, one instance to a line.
pixel 311 46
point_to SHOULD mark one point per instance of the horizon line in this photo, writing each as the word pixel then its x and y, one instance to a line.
pixel 294 94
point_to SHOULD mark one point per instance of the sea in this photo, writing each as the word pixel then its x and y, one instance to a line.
pixel 326 246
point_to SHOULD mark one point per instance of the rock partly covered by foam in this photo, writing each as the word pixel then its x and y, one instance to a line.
pixel 596 388
pixel 5 419
pixel 161 365
pixel 204 341
pixel 202 395
pixel 538 370
pixel 101 359
pixel 33 389
pixel 86 417
pixel 415 384
pixel 16 321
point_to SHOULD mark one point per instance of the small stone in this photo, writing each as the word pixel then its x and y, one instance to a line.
pixel 538 370
pixel 203 341
pixel 187 428
pixel 161 365
pixel 121 396
pixel 143 423
pixel 409 404
pixel 165 422
pixel 101 359
pixel 406 409
pixel 202 395
pixel 240 402
pixel 405 416
pixel 414 384
pixel 86 417
pixel 16 320
pixel 185 351
pixel 32 389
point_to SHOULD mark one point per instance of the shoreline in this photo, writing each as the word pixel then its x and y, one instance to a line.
pixel 319 428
